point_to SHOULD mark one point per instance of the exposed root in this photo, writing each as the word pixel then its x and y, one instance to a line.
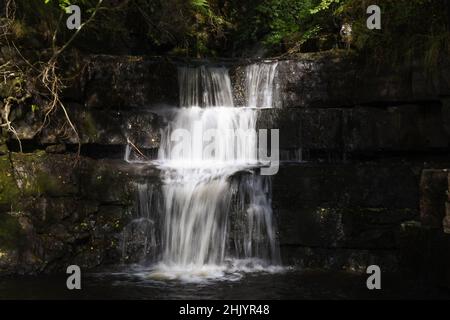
pixel 47 75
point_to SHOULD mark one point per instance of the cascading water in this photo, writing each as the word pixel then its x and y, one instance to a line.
pixel 260 84
pixel 216 215
pixel 205 87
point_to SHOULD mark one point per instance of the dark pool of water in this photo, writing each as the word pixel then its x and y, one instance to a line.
pixel 258 286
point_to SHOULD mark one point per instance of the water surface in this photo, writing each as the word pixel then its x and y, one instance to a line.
pixel 292 284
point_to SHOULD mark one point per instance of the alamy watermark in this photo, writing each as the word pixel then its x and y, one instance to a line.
pixel 74 20
pixel 374 280
pixel 374 20
pixel 245 144
pixel 74 280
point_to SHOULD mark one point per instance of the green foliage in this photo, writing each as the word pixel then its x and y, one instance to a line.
pixel 410 28
pixel 34 108
pixel 324 5
pixel 286 24
pixel 63 4
pixel 200 4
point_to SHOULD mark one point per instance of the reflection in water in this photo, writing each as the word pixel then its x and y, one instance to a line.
pixel 134 283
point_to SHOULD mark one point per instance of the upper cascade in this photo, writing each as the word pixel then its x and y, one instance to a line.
pixel 260 84
pixel 205 86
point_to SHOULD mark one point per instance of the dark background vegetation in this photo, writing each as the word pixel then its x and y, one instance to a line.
pixel 236 28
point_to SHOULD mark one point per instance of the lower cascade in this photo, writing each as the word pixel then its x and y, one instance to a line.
pixel 212 216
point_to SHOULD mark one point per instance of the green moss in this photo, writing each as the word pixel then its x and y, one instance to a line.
pixel 10 232
pixel 48 184
pixel 89 126
pixel 3 148
pixel 9 191
pixel 40 174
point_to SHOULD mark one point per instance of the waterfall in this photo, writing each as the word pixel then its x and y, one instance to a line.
pixel 260 84
pixel 141 239
pixel 204 87
pixel 228 133
pixel 215 213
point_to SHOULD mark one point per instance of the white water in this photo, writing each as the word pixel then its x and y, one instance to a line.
pixel 204 87
pixel 260 84
pixel 232 142
pixel 214 222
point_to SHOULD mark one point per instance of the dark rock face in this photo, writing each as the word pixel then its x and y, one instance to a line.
pixel 446 221
pixel 104 127
pixel 424 254
pixel 433 196
pixel 361 130
pixel 112 82
pixel 317 80
pixel 339 258
pixel 336 80
pixel 57 210
pixel 427 245
pixel 344 207
pixel 94 127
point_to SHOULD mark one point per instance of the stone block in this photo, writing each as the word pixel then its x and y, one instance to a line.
pixel 433 195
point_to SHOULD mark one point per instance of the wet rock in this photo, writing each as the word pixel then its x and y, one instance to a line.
pixel 112 182
pixel 328 79
pixel 125 81
pixel 68 212
pixel 446 221
pixel 9 231
pixel 344 215
pixel 9 190
pixel 333 80
pixel 47 211
pixel 425 253
pixel 357 228
pixel 407 127
pixel 56 148
pixel 104 127
pixel 360 130
pixel 287 122
pixel 433 196
pixel 446 115
pixel 103 183
pixel 346 185
pixel 3 147
pixel 339 258
pixel 40 174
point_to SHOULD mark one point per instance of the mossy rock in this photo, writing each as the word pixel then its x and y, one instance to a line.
pixel 3 149
pixel 42 174
pixel 106 182
pixel 9 191
pixel 10 232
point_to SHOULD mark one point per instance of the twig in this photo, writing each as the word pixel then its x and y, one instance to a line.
pixel 136 148
pixel 72 38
